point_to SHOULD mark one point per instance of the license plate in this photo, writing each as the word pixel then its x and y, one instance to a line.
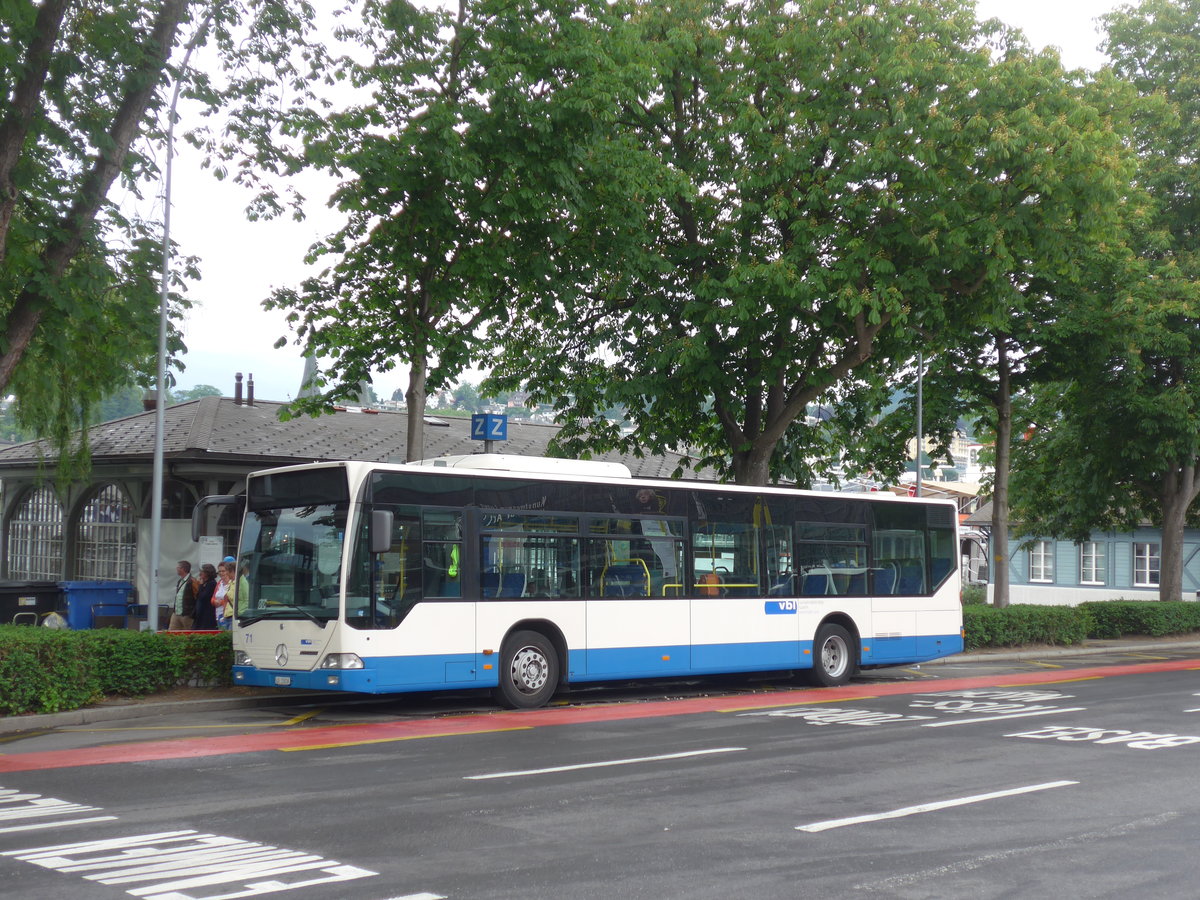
pixel 283 680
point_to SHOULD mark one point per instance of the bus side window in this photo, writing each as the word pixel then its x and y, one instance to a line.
pixel 441 552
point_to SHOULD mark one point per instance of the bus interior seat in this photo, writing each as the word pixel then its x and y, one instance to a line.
pixel 883 581
pixel 783 585
pixel 940 569
pixel 814 584
pixel 625 581
pixel 856 586
pixel 912 579
pixel 502 584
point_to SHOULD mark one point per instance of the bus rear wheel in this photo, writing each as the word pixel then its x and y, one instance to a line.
pixel 529 671
pixel 833 656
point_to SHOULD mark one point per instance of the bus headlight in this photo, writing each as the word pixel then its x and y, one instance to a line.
pixel 342 661
pixel 241 658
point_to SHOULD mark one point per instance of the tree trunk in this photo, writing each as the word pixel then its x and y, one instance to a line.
pixel 414 400
pixel 1179 490
pixel 999 538
pixel 753 466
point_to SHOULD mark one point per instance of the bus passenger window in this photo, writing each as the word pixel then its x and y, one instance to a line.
pixel 441 552
pixel 643 558
pixel 726 561
pixel 529 555
pixel 832 559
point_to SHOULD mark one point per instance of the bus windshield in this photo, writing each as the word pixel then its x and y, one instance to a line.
pixel 291 560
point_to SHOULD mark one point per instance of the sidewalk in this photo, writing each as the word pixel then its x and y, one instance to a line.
pixel 112 712
pixel 1182 644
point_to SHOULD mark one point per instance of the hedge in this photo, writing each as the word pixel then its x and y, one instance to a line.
pixel 48 670
pixel 1023 623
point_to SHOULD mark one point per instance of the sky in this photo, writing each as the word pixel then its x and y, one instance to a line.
pixel 227 331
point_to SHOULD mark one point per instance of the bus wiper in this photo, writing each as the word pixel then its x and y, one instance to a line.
pixel 269 614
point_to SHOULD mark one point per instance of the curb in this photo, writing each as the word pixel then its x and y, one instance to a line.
pixel 93 714
pixel 1091 648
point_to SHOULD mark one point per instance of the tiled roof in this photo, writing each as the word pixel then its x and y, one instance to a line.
pixel 218 428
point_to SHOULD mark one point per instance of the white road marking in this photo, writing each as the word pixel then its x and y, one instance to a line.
pixel 601 765
pixel 1002 718
pixel 35 827
pixel 174 863
pixel 929 807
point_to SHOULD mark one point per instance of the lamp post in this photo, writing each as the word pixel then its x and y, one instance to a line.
pixel 161 394
pixel 920 410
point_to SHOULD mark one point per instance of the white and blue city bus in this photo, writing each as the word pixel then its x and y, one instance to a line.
pixel 522 575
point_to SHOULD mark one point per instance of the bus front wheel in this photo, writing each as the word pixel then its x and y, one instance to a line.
pixel 833 656
pixel 528 671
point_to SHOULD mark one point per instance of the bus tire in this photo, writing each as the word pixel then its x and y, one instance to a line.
pixel 529 670
pixel 833 656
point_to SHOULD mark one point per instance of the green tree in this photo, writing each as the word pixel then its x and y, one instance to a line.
pixel 444 218
pixel 119 404
pixel 1075 245
pixel 797 199
pixel 195 393
pixel 1119 443
pixel 467 397
pixel 83 94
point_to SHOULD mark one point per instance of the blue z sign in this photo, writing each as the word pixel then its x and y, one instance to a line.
pixel 489 427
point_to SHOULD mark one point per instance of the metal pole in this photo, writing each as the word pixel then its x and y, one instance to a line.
pixel 920 410
pixel 164 292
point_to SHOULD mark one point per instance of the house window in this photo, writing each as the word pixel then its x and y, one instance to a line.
pixel 1092 563
pixel 106 538
pixel 35 538
pixel 1041 561
pixel 1145 565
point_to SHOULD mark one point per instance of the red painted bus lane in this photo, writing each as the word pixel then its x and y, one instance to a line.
pixel 316 738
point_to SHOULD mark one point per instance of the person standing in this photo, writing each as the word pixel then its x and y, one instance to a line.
pixel 184 610
pixel 221 599
pixel 206 616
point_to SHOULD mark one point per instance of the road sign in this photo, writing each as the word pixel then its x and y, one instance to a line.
pixel 489 427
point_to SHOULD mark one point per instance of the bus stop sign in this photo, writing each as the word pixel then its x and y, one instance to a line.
pixel 489 427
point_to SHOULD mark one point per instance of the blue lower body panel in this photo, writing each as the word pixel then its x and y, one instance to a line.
pixel 384 675
pixel 380 675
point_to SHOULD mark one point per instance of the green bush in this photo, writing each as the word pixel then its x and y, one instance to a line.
pixel 1117 618
pixel 1024 623
pixel 1013 626
pixel 43 670
pixel 47 670
pixel 974 595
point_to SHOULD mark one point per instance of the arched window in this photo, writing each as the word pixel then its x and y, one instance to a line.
pixel 178 501
pixel 35 538
pixel 106 538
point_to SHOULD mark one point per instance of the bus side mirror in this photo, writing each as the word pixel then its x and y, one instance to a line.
pixel 202 507
pixel 381 530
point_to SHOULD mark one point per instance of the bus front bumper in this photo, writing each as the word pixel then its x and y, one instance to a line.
pixel 360 680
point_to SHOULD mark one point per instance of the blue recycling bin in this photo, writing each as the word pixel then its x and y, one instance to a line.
pixel 97 604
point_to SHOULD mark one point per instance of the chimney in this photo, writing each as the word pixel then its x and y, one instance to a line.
pixel 150 401
pixel 250 390
pixel 237 389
